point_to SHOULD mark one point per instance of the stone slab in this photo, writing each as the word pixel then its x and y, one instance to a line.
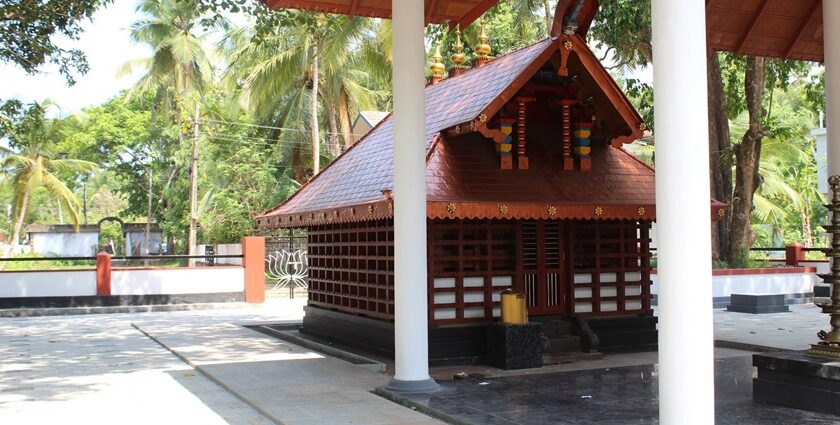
pixel 758 304
pixel 798 380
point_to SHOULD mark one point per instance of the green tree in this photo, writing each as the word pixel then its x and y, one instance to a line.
pixel 308 68
pixel 176 73
pixel 33 163
pixel 28 28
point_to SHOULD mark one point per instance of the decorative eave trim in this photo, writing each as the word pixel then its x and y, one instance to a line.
pixel 376 210
pixel 538 211
pixel 474 210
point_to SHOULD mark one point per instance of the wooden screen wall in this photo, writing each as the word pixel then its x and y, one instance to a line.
pixel 585 268
pixel 470 263
pixel 610 262
pixel 351 267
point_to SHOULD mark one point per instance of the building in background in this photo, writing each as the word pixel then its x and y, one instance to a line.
pixel 135 239
pixel 365 122
pixel 63 240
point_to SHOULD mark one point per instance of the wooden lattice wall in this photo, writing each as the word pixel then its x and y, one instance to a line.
pixel 584 268
pixel 351 267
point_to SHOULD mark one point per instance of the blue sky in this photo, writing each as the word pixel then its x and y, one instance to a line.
pixel 106 43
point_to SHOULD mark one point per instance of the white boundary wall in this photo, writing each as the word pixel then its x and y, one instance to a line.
pixel 177 281
pixel 60 283
pixel 757 284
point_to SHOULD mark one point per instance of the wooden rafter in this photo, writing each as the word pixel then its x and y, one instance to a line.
pixel 430 9
pixel 353 7
pixel 475 13
pixel 811 14
pixel 751 28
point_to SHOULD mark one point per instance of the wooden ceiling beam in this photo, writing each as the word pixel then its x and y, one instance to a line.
pixel 811 14
pixel 353 7
pixel 751 28
pixel 430 9
pixel 475 13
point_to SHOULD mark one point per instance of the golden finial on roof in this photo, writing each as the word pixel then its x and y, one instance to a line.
pixel 483 49
pixel 437 67
pixel 458 58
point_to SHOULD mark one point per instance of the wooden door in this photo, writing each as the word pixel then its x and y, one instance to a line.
pixel 543 270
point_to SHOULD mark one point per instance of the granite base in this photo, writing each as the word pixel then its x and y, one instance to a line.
pixel 798 380
pixel 515 346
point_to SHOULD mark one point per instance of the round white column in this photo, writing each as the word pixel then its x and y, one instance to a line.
pixel 683 213
pixel 411 340
pixel 831 37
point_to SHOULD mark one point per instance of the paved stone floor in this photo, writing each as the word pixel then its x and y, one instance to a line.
pixel 103 369
pixel 203 367
pixel 794 330
pixel 626 395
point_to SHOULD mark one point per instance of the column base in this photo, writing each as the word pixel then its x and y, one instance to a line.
pixel 412 387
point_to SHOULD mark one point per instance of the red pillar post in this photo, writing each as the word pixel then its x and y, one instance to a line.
pixel 103 274
pixel 794 254
pixel 253 260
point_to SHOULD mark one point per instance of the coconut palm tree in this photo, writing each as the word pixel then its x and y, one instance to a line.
pixel 318 61
pixel 32 163
pixel 175 73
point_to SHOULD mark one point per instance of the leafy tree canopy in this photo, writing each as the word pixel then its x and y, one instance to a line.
pixel 28 30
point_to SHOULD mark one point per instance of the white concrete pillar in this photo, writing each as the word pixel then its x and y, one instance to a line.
pixel 411 342
pixel 831 36
pixel 686 356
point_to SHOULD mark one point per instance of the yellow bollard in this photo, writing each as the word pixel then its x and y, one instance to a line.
pixel 514 311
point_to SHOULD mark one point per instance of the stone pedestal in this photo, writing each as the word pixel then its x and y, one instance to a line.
pixel 795 379
pixel 822 291
pixel 514 346
pixel 757 304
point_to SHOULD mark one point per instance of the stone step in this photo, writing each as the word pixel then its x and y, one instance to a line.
pixel 557 358
pixel 555 327
pixel 563 344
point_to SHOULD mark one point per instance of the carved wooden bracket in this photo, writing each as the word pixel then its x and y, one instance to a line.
pixel 567 48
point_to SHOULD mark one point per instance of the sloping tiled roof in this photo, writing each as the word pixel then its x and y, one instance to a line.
pixel 360 174
pixel 463 175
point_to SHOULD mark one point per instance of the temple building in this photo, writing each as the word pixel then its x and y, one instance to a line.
pixel 528 187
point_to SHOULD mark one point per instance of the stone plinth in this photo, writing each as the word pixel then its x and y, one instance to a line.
pixel 795 379
pixel 757 304
pixel 514 346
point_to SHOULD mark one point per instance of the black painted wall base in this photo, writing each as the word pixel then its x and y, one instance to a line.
pixel 625 334
pixel 514 346
pixel 795 379
pixel 758 304
pixel 119 300
pixel 464 344
pixel 448 345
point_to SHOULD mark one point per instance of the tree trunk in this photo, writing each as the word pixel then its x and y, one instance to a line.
pixel 344 120
pixel 147 237
pixel 335 143
pixel 747 155
pixel 719 155
pixel 805 216
pixel 549 18
pixel 298 170
pixel 24 204
pixel 191 239
pixel 316 151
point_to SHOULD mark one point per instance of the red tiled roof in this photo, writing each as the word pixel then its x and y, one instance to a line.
pixel 360 174
pixel 463 170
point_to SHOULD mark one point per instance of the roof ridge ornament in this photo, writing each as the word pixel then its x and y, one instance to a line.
pixel 483 48
pixel 437 67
